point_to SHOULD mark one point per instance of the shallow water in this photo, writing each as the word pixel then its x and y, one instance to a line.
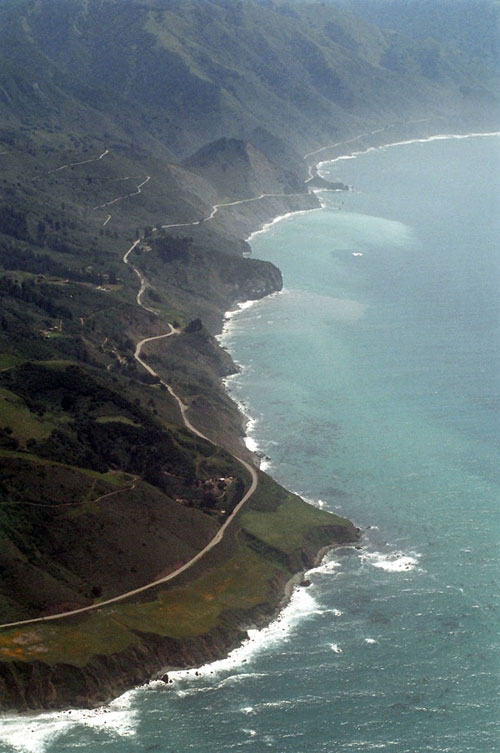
pixel 373 383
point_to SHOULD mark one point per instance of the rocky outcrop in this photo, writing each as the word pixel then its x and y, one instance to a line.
pixel 37 685
pixel 318 182
pixel 264 279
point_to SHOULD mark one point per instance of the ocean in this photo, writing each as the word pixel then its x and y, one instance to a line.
pixel 371 383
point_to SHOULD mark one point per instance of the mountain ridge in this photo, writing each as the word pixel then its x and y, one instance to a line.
pixel 193 70
pixel 140 143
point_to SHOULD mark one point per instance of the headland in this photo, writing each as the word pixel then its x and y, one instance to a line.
pixel 85 659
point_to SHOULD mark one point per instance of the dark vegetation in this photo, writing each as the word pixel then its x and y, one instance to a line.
pixel 76 437
pixel 102 488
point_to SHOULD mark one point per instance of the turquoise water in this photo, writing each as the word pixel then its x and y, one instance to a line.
pixel 373 382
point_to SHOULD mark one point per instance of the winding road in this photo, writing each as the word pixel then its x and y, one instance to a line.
pixel 216 540
pixel 144 284
pixel 72 164
pixel 125 196
pixel 217 207
pixel 182 406
pixel 183 409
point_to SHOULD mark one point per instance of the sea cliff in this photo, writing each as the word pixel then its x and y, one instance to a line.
pixel 89 658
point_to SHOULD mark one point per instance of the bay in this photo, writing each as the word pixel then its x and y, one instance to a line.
pixel 372 381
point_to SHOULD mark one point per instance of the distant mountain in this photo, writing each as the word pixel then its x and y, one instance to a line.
pixel 175 75
pixel 137 138
pixel 471 28
pixel 439 34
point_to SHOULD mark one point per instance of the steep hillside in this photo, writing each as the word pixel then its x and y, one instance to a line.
pixel 238 170
pixel 175 75
pixel 140 142
pixel 469 28
pixel 441 38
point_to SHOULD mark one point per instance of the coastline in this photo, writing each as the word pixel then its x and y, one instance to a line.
pixel 405 142
pixel 108 676
pixel 293 605
pixel 289 587
pixel 251 443
pixel 425 569
pixel 248 420
pixel 117 715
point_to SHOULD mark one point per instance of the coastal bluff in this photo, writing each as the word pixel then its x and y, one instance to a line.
pixel 88 660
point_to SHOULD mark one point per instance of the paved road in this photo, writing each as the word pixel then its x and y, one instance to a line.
pixel 211 544
pixel 142 280
pixel 217 207
pixel 183 409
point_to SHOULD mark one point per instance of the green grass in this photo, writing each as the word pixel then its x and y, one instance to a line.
pixel 286 527
pixel 57 365
pixel 75 644
pixel 242 582
pixel 234 577
pixel 24 424
pixel 116 478
pixel 116 419
pixel 8 360
pixel 282 519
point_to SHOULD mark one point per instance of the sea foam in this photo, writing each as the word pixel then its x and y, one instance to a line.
pixel 301 605
pixel 424 140
pixel 34 733
pixel 236 666
pixel 394 562
pixel 249 439
pixel 281 217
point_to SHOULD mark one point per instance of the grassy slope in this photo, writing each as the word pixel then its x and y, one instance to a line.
pixel 241 581
pixel 75 442
pixel 173 79
pixel 58 557
pixel 57 515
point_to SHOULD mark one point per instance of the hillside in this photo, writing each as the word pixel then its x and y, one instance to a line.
pixel 237 169
pixel 140 143
pixel 178 74
pixel 466 28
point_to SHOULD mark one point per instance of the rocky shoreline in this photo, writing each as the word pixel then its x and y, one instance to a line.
pixel 38 684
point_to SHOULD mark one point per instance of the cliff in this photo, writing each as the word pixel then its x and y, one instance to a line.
pixel 121 245
pixel 104 489
pixel 87 660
